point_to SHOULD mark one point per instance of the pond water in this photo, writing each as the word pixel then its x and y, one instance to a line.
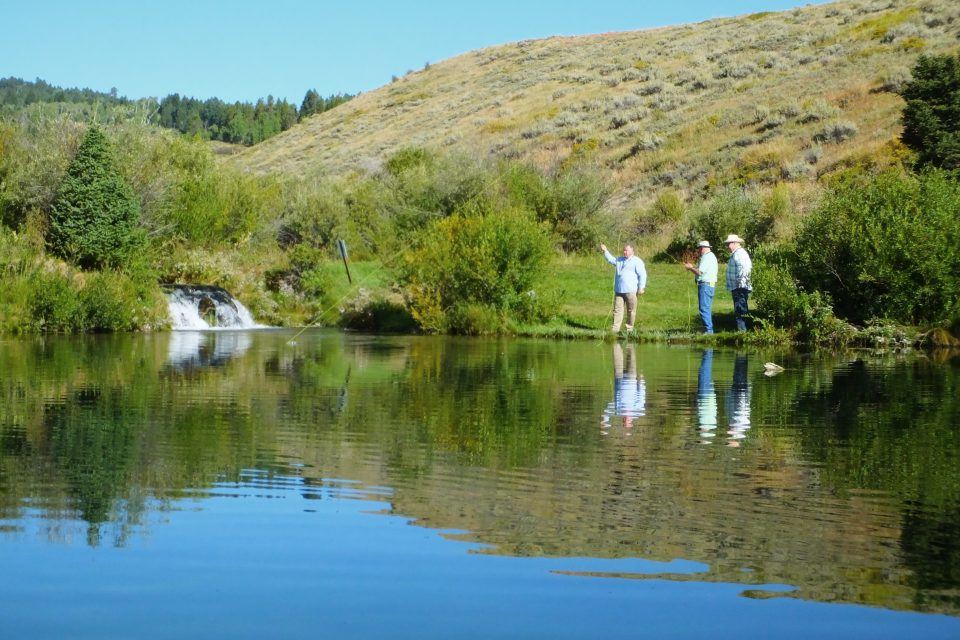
pixel 229 484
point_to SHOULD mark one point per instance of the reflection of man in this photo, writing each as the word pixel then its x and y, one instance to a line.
pixel 629 391
pixel 630 280
pixel 738 403
pixel 706 396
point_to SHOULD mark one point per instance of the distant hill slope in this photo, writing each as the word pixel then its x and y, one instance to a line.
pixel 752 99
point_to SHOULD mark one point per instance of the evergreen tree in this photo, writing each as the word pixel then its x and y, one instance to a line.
pixel 312 103
pixel 93 220
pixel 931 119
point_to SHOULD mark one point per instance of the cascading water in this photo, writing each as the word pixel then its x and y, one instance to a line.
pixel 197 307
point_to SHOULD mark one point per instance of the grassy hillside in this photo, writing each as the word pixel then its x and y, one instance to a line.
pixel 749 100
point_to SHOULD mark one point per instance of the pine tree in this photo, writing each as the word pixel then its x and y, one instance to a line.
pixel 312 103
pixel 931 119
pixel 93 220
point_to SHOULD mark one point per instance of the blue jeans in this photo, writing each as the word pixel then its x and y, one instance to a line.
pixel 705 297
pixel 740 310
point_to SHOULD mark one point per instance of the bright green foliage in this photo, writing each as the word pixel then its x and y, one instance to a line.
pixel 886 246
pixel 931 119
pixel 465 261
pixel 93 221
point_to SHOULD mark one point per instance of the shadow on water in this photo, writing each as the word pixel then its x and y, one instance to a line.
pixel 840 477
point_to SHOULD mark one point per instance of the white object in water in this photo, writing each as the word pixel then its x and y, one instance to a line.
pixel 771 369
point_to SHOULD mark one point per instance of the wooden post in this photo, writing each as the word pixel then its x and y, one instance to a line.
pixel 342 246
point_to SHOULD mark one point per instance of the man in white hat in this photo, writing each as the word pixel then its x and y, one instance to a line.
pixel 630 279
pixel 706 279
pixel 739 268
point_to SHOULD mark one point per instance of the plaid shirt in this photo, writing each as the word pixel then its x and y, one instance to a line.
pixel 739 268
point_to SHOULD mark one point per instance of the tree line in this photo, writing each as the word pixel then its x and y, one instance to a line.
pixel 212 119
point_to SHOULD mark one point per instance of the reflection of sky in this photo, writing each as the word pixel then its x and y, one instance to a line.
pixel 191 349
pixel 261 561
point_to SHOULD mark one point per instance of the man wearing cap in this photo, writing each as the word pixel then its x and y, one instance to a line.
pixel 739 268
pixel 706 279
pixel 631 279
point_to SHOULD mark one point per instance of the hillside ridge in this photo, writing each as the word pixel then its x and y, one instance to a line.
pixel 751 100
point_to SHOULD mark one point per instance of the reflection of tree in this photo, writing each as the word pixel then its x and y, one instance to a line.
pixel 498 437
pixel 892 429
pixel 91 438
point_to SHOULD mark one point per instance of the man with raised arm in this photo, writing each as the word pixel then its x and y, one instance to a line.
pixel 630 280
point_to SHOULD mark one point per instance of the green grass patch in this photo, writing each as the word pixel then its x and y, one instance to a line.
pixel 876 28
pixel 585 284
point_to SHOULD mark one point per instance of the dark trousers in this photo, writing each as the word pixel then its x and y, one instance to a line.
pixel 740 309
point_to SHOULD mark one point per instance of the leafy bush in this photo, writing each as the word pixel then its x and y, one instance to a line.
pixel 569 201
pixel 61 302
pixel 493 260
pixel 731 211
pixel 885 247
pixel 667 208
pixel 780 302
pixel 54 303
pixel 380 315
pixel 93 220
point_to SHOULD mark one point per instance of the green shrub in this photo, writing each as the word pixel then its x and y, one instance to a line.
pixel 780 302
pixel 569 201
pixel 667 208
pixel 93 221
pixel 730 211
pixel 54 303
pixel 475 319
pixel 885 246
pixel 492 260
pixel 423 187
pixel 378 315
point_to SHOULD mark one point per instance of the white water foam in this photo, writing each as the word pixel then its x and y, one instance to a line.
pixel 185 302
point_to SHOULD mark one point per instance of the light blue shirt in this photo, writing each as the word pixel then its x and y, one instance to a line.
pixel 708 268
pixel 739 269
pixel 631 273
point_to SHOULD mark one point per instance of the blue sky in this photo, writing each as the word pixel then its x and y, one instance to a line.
pixel 243 50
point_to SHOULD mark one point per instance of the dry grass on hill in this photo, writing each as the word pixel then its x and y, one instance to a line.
pixel 750 100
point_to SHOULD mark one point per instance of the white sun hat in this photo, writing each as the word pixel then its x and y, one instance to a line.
pixel 733 238
pixel 703 243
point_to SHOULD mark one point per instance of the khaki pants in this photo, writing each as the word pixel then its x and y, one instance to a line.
pixel 619 300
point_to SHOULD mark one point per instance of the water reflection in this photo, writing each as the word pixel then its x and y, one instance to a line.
pixel 629 390
pixel 197 349
pixel 850 490
pixel 706 398
pixel 738 402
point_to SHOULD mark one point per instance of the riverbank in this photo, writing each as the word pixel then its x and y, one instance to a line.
pixel 581 285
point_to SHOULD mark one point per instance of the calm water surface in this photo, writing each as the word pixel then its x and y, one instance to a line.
pixel 231 485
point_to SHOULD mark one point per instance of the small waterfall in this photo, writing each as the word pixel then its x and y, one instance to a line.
pixel 198 307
